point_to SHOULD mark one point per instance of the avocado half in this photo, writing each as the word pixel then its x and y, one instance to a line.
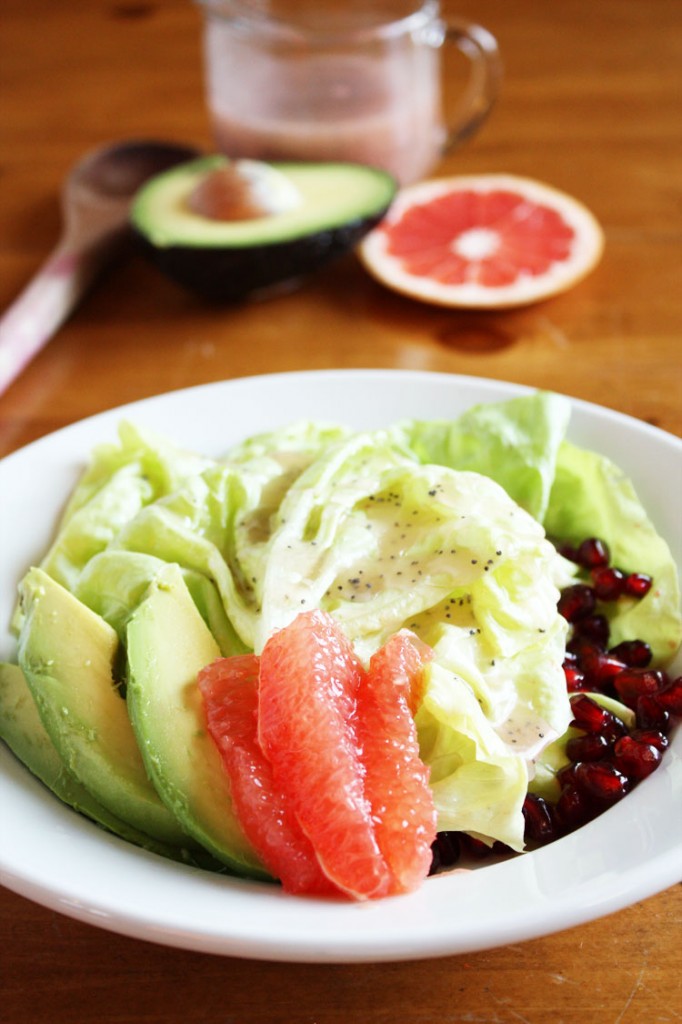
pixel 327 209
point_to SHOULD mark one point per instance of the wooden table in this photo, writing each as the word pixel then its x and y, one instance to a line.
pixel 587 105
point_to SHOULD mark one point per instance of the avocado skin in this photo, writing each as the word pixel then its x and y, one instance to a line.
pixel 232 274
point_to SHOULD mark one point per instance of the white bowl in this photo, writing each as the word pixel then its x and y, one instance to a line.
pixel 56 858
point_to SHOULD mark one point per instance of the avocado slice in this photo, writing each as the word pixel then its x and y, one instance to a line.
pixel 225 258
pixel 22 730
pixel 67 654
pixel 168 643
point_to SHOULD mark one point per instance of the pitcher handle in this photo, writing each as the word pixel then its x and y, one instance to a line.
pixel 483 86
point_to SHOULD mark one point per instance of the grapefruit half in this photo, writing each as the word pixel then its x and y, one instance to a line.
pixel 483 242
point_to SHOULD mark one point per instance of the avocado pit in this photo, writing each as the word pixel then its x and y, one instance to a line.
pixel 242 190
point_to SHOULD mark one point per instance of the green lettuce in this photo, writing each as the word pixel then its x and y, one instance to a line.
pixel 119 480
pixel 479 786
pixel 142 502
pixel 514 442
pixel 591 496
pixel 115 582
pixel 326 529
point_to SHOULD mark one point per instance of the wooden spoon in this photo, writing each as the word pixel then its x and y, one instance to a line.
pixel 95 203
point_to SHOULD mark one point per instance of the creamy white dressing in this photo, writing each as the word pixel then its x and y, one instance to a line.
pixel 384 542
pixel 411 544
pixel 398 559
pixel 526 735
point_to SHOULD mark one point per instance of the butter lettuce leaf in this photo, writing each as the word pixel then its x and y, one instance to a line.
pixel 115 582
pixel 328 530
pixel 120 479
pixel 143 501
pixel 591 496
pixel 514 442
pixel 479 786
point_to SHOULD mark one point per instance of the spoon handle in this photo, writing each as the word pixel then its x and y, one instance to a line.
pixel 45 303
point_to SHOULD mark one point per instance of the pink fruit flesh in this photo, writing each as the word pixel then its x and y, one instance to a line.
pixel 309 682
pixel 397 780
pixel 229 687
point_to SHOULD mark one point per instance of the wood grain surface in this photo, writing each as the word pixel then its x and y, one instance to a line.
pixel 589 104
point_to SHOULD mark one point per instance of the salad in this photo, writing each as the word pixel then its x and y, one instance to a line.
pixel 466 534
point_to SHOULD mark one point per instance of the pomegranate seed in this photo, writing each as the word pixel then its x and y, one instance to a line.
pixel 615 729
pixel 575 679
pixel 595 628
pixel 632 683
pixel 566 775
pixel 592 717
pixel 474 847
pixel 582 651
pixel 633 653
pixel 601 781
pixel 576 601
pixel 650 714
pixel 603 670
pixel 608 583
pixel 445 851
pixel 635 759
pixel 568 550
pixel 572 809
pixel 637 584
pixel 598 667
pixel 670 696
pixel 593 552
pixel 589 715
pixel 652 736
pixel 538 818
pixel 591 747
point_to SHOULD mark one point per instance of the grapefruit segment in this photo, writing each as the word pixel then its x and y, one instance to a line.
pixel 485 241
pixel 323 758
pixel 309 682
pixel 229 687
pixel 397 780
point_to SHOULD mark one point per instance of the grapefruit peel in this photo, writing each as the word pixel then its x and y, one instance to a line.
pixel 489 241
